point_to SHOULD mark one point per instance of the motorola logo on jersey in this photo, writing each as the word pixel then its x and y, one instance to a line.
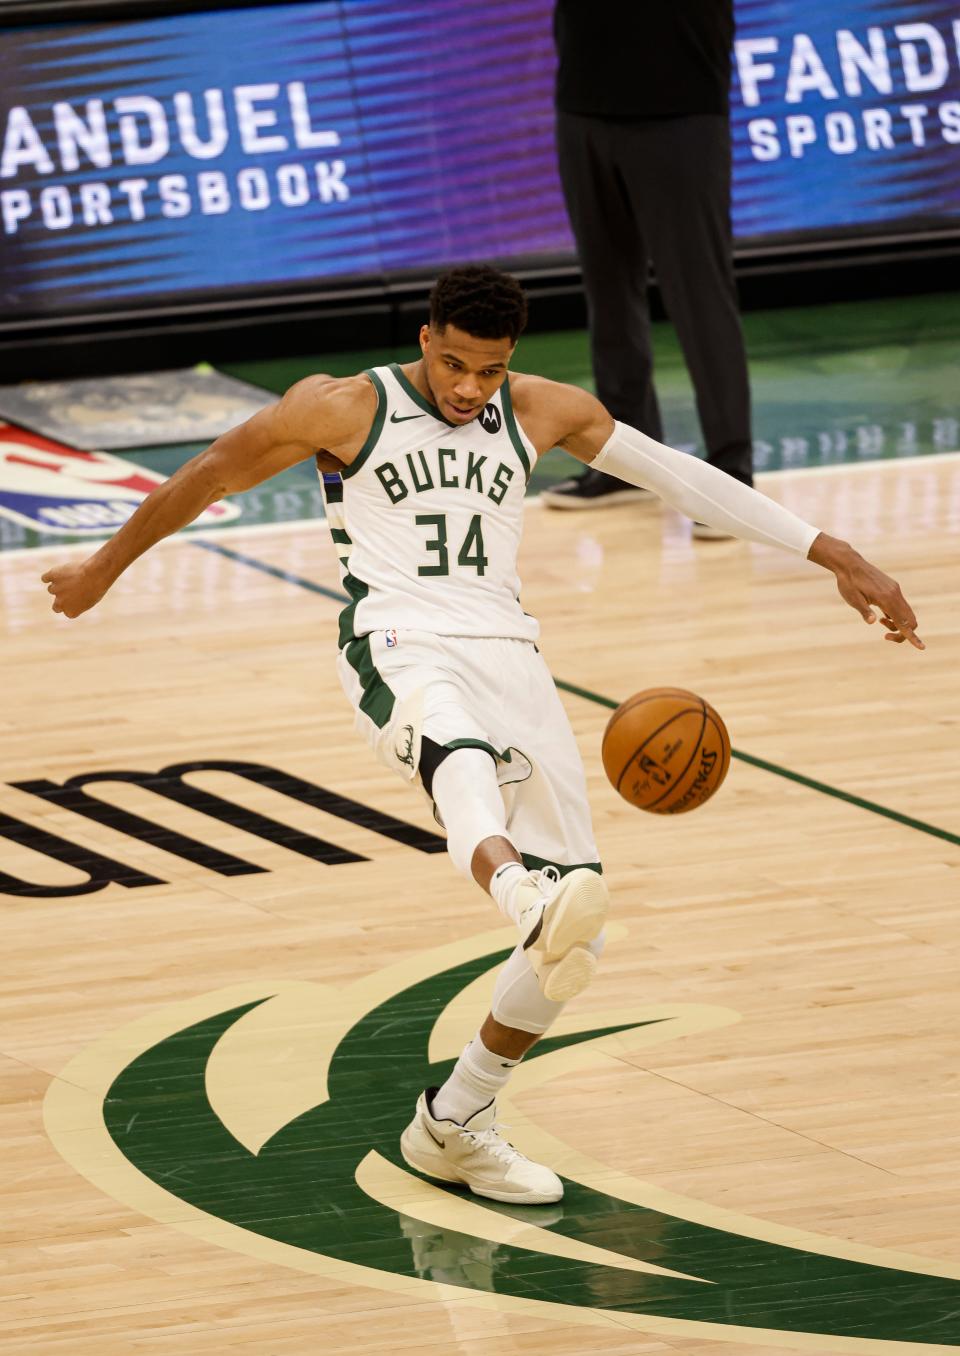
pixel 489 419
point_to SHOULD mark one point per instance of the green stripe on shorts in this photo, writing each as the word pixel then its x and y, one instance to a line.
pixel 377 700
pixel 538 863
pixel 505 757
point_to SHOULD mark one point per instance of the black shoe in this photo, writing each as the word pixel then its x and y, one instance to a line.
pixel 593 489
pixel 704 532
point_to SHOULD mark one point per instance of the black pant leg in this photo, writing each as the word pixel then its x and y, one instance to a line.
pixel 680 185
pixel 614 260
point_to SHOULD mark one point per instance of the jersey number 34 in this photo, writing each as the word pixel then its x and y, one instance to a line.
pixel 470 555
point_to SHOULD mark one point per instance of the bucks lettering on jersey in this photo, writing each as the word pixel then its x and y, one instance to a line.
pixel 427 519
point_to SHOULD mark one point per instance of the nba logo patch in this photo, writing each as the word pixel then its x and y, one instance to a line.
pixel 392 641
pixel 53 488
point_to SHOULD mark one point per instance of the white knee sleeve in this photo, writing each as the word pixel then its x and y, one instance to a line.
pixel 517 998
pixel 467 795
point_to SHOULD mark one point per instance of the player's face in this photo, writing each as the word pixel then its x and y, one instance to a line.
pixel 463 372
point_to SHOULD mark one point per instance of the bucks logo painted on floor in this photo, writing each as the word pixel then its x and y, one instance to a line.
pixel 260 1121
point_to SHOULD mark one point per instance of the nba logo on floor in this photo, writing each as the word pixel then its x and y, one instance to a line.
pixel 53 488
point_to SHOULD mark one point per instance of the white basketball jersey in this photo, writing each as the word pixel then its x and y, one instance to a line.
pixel 427 518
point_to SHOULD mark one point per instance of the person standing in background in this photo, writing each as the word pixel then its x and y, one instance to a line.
pixel 643 139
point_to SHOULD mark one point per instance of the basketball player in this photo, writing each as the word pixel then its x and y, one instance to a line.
pixel 426 466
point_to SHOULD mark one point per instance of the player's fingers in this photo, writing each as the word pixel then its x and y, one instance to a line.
pixel 901 631
pixel 57 607
pixel 904 623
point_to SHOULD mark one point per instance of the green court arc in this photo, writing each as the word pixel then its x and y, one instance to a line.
pixel 301 1189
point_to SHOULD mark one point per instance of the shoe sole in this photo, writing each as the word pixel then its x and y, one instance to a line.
pixel 565 501
pixel 433 1165
pixel 519 1197
pixel 563 964
pixel 576 914
pixel 569 976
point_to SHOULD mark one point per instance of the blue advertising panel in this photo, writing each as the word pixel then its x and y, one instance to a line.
pixel 846 115
pixel 212 153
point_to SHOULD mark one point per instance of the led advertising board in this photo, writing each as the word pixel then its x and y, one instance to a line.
pixel 217 153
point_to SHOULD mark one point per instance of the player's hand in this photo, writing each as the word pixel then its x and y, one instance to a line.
pixel 75 588
pixel 865 587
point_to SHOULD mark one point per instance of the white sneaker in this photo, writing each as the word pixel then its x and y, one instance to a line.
pixel 477 1155
pixel 557 917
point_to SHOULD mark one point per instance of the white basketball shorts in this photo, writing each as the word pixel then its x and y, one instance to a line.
pixel 489 693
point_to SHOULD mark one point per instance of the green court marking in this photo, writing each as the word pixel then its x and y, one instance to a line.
pixel 273 570
pixel 300 1189
pixel 907 820
pixel 587 696
pixel 795 776
pixel 848 796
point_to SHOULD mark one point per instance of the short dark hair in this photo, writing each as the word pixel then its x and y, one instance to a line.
pixel 479 300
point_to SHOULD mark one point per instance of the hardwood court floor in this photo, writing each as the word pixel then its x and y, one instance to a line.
pixel 765 1159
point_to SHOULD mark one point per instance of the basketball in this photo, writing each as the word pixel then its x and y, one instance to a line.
pixel 666 750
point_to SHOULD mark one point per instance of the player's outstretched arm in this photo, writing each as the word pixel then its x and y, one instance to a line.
pixel 316 413
pixel 581 425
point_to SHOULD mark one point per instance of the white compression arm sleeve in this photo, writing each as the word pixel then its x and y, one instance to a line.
pixel 701 491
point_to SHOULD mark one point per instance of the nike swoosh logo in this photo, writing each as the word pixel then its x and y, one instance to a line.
pixel 534 933
pixel 402 418
pixel 440 1143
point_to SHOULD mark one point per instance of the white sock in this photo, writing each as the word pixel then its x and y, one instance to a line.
pixel 477 1077
pixel 503 888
